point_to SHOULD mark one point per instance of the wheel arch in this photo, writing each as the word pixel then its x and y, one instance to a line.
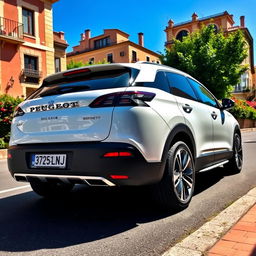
pixel 180 132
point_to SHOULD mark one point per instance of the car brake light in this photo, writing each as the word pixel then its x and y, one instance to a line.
pixel 130 98
pixel 78 71
pixel 119 177
pixel 117 154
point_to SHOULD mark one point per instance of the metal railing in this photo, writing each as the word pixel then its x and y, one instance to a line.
pixel 11 28
pixel 27 72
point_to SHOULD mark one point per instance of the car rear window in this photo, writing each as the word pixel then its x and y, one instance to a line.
pixel 87 81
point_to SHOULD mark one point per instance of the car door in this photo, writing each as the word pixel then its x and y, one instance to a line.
pixel 197 117
pixel 222 126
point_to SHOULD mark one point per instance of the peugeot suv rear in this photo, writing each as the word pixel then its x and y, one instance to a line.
pixel 122 125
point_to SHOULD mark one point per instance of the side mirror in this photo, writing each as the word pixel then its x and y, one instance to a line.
pixel 227 104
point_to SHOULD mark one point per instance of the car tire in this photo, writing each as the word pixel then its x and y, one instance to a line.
pixel 176 188
pixel 236 162
pixel 50 188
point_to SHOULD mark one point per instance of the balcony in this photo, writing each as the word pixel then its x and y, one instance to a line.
pixel 11 31
pixel 31 76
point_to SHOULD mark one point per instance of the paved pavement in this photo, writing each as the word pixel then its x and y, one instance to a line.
pixel 240 240
pixel 238 224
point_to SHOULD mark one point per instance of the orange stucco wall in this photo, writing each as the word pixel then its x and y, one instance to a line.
pixel 101 54
pixel 12 54
pixel 10 59
pixel 142 55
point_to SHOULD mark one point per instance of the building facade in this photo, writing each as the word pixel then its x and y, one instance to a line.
pixel 29 49
pixel 224 22
pixel 112 46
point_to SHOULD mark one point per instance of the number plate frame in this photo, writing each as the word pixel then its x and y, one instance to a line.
pixel 58 161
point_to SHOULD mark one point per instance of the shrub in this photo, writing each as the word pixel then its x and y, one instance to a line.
pixel 243 110
pixel 7 106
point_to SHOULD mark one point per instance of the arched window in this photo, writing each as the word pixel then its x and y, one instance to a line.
pixel 215 27
pixel 181 34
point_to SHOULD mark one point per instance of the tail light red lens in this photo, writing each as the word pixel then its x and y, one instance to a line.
pixel 119 177
pixel 130 98
pixel 117 154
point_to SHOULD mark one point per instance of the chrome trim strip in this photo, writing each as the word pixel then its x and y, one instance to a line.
pixel 84 178
pixel 214 166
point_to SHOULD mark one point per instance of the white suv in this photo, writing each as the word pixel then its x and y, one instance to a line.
pixel 122 125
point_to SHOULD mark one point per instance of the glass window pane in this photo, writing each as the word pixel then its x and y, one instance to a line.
pixel 204 95
pixel 159 83
pixel 180 86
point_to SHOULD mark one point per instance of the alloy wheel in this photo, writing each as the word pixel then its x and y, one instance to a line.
pixel 238 151
pixel 183 175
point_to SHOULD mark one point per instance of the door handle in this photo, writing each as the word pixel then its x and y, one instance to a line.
pixel 214 115
pixel 187 108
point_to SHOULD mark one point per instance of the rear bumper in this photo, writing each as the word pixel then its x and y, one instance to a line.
pixel 86 160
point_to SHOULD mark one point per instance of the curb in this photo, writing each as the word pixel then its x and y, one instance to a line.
pixel 252 129
pixel 207 235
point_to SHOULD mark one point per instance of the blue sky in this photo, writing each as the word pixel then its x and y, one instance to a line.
pixel 147 16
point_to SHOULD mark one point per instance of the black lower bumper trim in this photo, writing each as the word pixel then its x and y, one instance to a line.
pixel 86 159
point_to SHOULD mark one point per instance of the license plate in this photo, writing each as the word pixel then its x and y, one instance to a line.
pixel 49 161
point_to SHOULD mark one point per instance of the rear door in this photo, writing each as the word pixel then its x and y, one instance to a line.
pixel 197 117
pixel 222 127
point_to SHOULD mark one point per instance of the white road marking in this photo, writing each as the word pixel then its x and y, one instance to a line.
pixel 13 189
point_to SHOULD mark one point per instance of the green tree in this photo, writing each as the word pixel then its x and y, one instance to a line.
pixel 214 59
pixel 79 64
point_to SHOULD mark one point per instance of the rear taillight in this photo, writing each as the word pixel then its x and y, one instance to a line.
pixel 18 112
pixel 131 98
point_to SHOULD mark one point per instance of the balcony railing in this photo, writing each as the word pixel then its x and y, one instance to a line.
pixel 27 72
pixel 11 29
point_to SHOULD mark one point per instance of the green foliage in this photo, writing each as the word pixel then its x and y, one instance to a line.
pixel 79 64
pixel 243 110
pixel 7 106
pixel 212 58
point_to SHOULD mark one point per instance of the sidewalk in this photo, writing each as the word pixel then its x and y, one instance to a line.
pixel 230 233
pixel 240 240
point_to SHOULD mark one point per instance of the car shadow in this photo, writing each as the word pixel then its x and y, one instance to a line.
pixel 207 179
pixel 29 222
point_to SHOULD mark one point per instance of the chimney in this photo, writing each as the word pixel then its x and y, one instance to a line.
pixel 87 33
pixel 141 39
pixel 82 36
pixel 170 23
pixel 61 35
pixel 194 17
pixel 242 23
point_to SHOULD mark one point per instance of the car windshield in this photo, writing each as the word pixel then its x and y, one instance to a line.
pixel 87 82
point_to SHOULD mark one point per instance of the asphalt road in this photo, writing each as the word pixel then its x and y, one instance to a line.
pixel 107 222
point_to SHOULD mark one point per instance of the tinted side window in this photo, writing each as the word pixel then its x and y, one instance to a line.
pixel 159 83
pixel 180 86
pixel 204 95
